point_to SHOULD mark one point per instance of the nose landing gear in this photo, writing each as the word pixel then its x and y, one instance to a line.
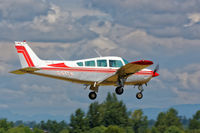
pixel 139 95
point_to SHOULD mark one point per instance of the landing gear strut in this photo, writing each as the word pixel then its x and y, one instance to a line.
pixel 139 95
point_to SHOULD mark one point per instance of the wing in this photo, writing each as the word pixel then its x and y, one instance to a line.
pixel 25 70
pixel 127 70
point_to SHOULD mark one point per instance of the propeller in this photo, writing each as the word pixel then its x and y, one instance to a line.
pixel 155 70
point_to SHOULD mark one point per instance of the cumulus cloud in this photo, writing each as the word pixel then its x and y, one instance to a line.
pixel 151 16
pixel 184 82
pixel 22 10
pixel 54 24
pixel 194 18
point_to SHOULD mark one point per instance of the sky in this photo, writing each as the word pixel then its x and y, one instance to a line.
pixel 166 32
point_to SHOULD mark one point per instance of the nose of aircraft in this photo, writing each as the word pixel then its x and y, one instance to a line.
pixel 155 74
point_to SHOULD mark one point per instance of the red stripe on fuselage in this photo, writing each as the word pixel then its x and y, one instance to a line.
pixel 81 69
pixel 58 65
pixel 98 70
pixel 21 49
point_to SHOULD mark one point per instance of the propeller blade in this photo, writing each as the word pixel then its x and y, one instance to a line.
pixel 156 69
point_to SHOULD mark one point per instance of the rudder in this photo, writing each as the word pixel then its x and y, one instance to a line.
pixel 26 55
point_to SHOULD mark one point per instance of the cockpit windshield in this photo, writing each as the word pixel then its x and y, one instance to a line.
pixel 115 63
pixel 125 61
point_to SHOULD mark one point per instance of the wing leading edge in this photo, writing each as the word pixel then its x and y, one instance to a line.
pixel 127 70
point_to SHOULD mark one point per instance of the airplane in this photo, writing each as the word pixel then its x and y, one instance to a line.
pixel 93 72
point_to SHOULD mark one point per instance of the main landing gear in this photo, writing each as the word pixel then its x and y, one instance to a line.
pixel 92 95
pixel 139 95
pixel 120 89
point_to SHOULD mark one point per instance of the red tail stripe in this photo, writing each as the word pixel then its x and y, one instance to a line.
pixel 58 65
pixel 22 49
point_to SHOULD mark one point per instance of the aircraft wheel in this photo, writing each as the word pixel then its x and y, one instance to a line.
pixel 92 95
pixel 119 90
pixel 139 95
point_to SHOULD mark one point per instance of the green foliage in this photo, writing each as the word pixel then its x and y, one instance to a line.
pixel 64 131
pixel 114 129
pixel 193 131
pixel 139 122
pixel 78 122
pixel 52 126
pixel 115 112
pixel 99 129
pixel 36 130
pixel 173 129
pixel 165 120
pixel 19 130
pixel 154 130
pixel 2 130
pixel 95 115
pixel 129 130
pixel 195 121
pixel 5 124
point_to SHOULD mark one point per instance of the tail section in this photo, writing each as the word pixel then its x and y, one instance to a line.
pixel 26 55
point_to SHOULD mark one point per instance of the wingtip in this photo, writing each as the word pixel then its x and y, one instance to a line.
pixel 143 62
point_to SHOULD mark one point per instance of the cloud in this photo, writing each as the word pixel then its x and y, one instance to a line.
pixel 22 10
pixel 167 17
pixel 194 18
pixel 54 25
pixel 184 82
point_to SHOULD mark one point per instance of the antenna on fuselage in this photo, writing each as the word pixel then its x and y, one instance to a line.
pixel 97 52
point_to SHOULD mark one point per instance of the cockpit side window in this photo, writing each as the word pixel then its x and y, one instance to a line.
pixel 79 63
pixel 115 63
pixel 102 63
pixel 90 63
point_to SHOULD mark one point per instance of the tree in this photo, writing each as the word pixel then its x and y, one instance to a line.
pixel 20 129
pixel 52 126
pixel 115 112
pixel 114 129
pixel 165 120
pixel 2 130
pixel 95 115
pixel 139 122
pixel 99 129
pixel 78 122
pixel 173 129
pixel 5 124
pixel 36 130
pixel 64 131
pixel 194 123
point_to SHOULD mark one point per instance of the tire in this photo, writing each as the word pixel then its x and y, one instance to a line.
pixel 92 95
pixel 119 90
pixel 139 95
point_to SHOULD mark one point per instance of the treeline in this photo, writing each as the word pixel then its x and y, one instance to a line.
pixel 110 116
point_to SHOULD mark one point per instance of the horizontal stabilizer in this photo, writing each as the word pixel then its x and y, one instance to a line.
pixel 25 70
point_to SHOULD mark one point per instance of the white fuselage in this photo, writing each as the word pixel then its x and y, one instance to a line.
pixel 71 71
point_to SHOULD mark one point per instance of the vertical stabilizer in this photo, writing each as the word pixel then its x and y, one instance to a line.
pixel 26 55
